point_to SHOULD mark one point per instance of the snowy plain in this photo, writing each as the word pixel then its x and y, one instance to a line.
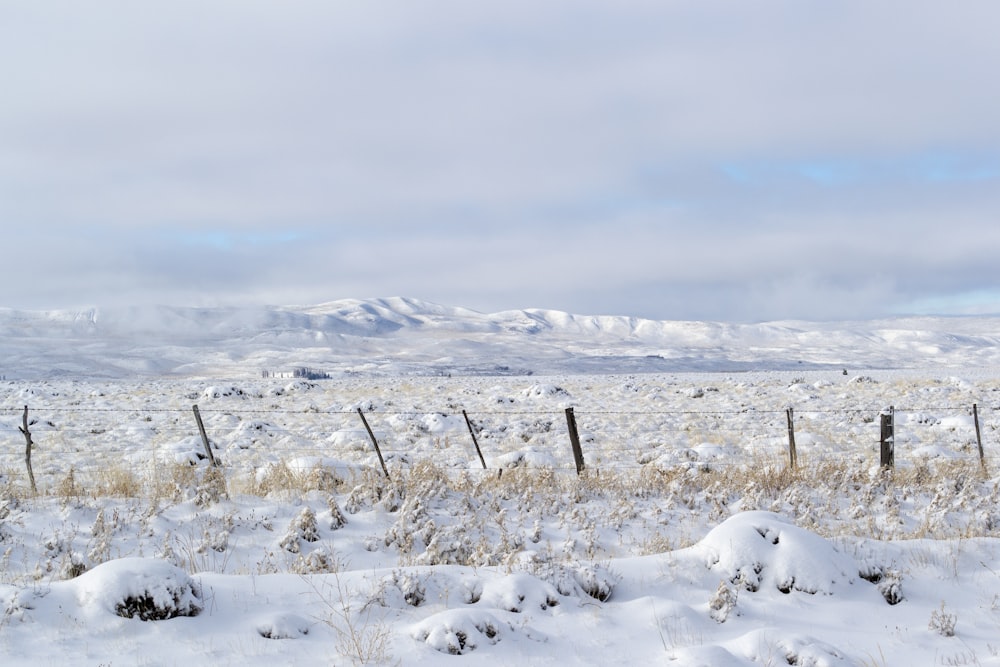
pixel 687 539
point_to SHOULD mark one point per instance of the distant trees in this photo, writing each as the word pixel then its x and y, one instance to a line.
pixel 310 374
pixel 302 372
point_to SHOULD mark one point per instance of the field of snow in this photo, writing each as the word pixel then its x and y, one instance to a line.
pixel 686 540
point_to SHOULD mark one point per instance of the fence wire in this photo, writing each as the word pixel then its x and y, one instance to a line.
pixel 94 440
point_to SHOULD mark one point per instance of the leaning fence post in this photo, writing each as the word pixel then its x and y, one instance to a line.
pixel 27 449
pixel 574 440
pixel 474 441
pixel 374 441
pixel 204 437
pixel 979 436
pixel 792 455
pixel 887 439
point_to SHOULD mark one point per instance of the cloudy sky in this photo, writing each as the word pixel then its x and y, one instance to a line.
pixel 695 159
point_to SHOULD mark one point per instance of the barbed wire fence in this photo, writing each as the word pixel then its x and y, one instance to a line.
pixel 243 440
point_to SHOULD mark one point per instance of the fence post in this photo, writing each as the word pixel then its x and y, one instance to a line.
pixel 204 437
pixel 979 436
pixel 574 440
pixel 887 438
pixel 474 441
pixel 27 449
pixel 374 441
pixel 792 455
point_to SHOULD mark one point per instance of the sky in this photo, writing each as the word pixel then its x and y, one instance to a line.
pixel 691 160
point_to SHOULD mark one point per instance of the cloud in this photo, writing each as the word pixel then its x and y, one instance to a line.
pixel 688 159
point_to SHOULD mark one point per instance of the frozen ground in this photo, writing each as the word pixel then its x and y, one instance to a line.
pixel 686 540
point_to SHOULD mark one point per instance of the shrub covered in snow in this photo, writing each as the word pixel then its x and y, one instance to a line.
pixel 143 588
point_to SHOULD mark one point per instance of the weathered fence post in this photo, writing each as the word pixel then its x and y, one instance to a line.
pixel 574 440
pixel 27 449
pixel 979 436
pixel 204 437
pixel 374 441
pixel 793 458
pixel 474 441
pixel 887 438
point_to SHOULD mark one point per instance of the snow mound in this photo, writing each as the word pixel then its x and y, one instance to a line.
pixel 294 387
pixel 525 458
pixel 149 589
pixel 440 423
pixel 214 392
pixel 762 647
pixel 591 580
pixel 337 468
pixel 544 391
pixel 763 550
pixel 517 592
pixel 186 451
pixel 283 626
pixel 459 631
pixel 355 438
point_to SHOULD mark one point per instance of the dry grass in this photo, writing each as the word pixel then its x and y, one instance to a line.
pixel 69 488
pixel 167 482
pixel 119 482
pixel 363 637
pixel 276 479
pixel 477 517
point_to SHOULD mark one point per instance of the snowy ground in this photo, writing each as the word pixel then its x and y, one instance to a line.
pixel 685 540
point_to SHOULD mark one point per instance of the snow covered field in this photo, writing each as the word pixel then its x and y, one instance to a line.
pixel 686 540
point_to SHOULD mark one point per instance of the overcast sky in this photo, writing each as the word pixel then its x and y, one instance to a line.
pixel 696 159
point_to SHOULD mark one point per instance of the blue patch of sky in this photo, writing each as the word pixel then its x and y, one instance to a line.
pixel 955 167
pixel 942 167
pixel 978 301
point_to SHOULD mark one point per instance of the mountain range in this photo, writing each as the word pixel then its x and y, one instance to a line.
pixel 401 336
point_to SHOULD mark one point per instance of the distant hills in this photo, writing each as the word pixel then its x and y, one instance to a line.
pixel 401 336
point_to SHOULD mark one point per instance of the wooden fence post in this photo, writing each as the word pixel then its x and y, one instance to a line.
pixel 574 440
pixel 979 437
pixel 887 439
pixel 792 455
pixel 204 437
pixel 474 441
pixel 27 449
pixel 374 441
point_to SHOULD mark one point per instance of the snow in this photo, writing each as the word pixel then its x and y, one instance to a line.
pixel 407 336
pixel 686 541
pixel 763 550
pixel 120 587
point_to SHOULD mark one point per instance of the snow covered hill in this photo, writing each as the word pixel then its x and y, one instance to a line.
pixel 400 335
